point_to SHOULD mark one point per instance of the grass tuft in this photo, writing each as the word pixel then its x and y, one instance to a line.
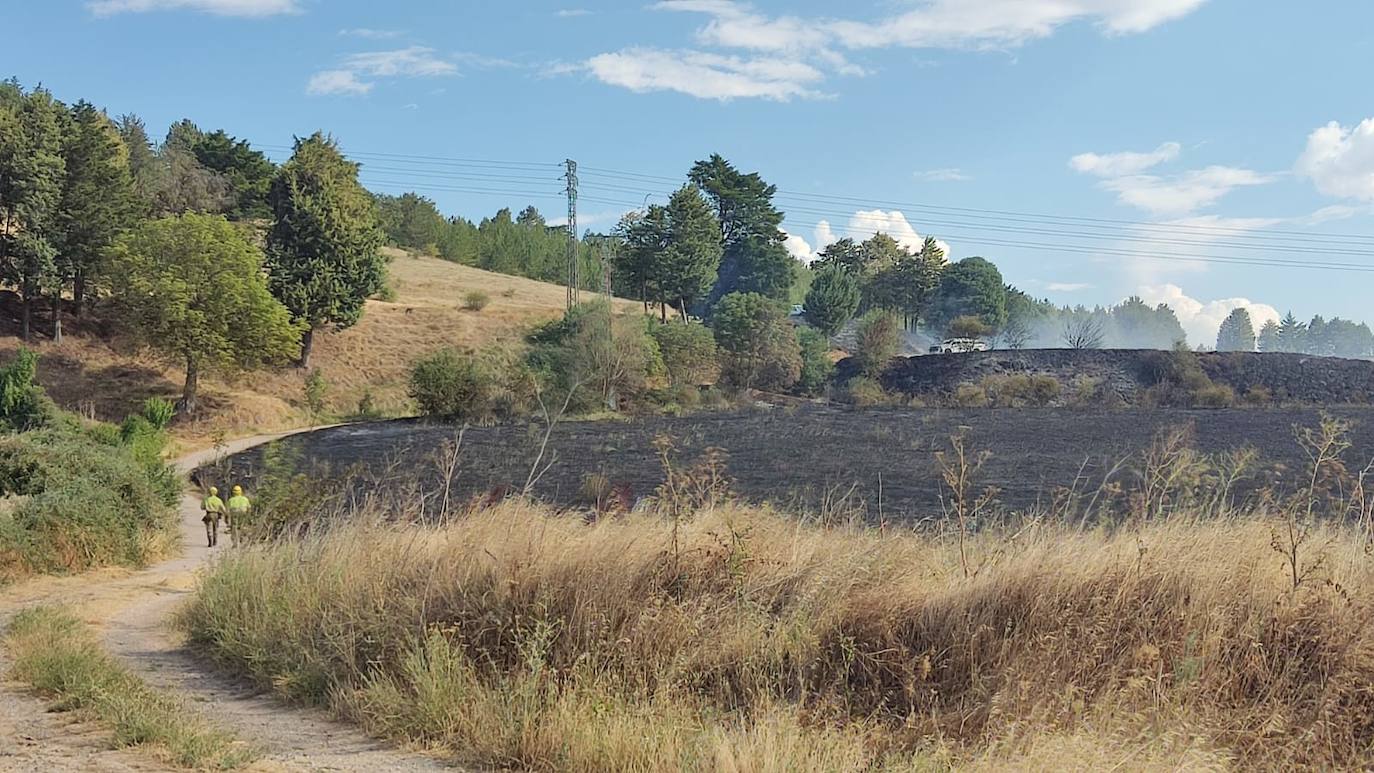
pixel 57 655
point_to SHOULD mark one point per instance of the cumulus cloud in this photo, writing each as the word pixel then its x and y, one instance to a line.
pixel 706 75
pixel 1340 160
pixel 819 43
pixel 348 79
pixel 865 223
pixel 217 7
pixel 799 248
pixel 1202 319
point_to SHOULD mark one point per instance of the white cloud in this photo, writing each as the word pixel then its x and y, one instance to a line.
pixel 816 43
pixel 706 75
pixel 337 82
pixel 1184 193
pixel 865 223
pixel 569 13
pixel 371 34
pixel 952 174
pixel 799 248
pixel 1124 163
pixel 1340 161
pixel 1067 287
pixel 412 62
pixel 1202 319
pixel 251 8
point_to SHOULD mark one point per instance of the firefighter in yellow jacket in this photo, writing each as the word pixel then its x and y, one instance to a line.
pixel 238 509
pixel 213 510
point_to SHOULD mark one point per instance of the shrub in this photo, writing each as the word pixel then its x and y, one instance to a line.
pixel 1214 396
pixel 1259 395
pixel 454 385
pixel 85 503
pixel 971 396
pixel 159 412
pixel 600 359
pixel 689 353
pixel 1020 389
pixel 816 365
pixel 367 406
pixel 509 292
pixel 865 392
pixel 315 390
pixel 759 348
pixel 476 300
pixel 23 406
pixel 879 336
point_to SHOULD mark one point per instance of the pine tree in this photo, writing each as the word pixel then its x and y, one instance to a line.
pixel 832 300
pixel 753 256
pixel 1237 333
pixel 97 202
pixel 1292 334
pixel 323 250
pixel 1270 337
pixel 31 173
pixel 685 270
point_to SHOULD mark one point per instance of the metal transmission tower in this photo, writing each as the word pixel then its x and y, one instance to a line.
pixel 574 278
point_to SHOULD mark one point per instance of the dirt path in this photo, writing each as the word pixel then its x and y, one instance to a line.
pixel 131 610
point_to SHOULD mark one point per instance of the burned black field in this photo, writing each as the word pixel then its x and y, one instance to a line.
pixel 796 458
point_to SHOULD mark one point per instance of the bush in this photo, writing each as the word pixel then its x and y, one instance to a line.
pixel 971 396
pixel 816 365
pixel 1020 390
pixel 84 503
pixel 689 353
pixel 602 360
pixel 1259 395
pixel 865 392
pixel 454 385
pixel 879 336
pixel 23 406
pixel 476 300
pixel 1214 396
pixel 759 348
pixel 315 390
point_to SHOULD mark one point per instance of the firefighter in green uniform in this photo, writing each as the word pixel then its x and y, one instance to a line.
pixel 238 511
pixel 213 509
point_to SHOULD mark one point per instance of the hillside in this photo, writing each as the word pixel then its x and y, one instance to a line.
pixel 96 375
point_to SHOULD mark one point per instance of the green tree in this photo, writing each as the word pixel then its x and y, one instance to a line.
pixel 758 344
pixel 247 172
pixel 1237 333
pixel 98 202
pixel 32 126
pixel 183 183
pixel 846 254
pixel 753 259
pixel 323 250
pixel 880 335
pixel 672 252
pixel 411 221
pixel 1292 334
pixel 1270 339
pixel 689 353
pixel 192 288
pixel 816 365
pixel 973 286
pixel 144 166
pixel 833 299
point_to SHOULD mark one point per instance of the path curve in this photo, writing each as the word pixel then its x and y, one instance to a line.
pixel 131 611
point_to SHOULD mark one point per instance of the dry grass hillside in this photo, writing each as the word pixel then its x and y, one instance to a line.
pixel 98 376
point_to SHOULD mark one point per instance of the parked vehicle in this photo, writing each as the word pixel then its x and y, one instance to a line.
pixel 954 345
pixel 798 310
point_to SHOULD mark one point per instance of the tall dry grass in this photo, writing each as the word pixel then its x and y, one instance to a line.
pixel 743 639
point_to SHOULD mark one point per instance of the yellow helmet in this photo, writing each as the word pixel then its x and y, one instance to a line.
pixel 238 491
pixel 214 492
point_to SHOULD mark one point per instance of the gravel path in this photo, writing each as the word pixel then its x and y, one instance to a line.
pixel 131 611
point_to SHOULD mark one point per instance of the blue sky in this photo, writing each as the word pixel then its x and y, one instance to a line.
pixel 1231 125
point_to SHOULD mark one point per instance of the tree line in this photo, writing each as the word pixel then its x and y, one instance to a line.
pixel 205 250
